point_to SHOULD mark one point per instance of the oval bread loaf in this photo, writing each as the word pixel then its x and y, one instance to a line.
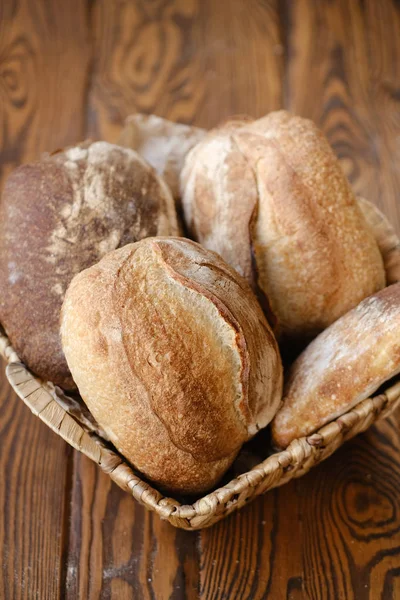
pixel 173 357
pixel 345 364
pixel 270 197
pixel 59 216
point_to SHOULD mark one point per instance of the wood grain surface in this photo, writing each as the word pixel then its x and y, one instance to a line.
pixel 76 69
pixel 32 513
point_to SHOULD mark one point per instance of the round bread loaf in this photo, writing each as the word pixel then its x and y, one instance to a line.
pixel 59 216
pixel 173 357
pixel 345 364
pixel 270 197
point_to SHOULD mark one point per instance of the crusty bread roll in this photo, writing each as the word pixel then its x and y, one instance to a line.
pixel 345 364
pixel 270 197
pixel 162 143
pixel 173 357
pixel 386 238
pixel 59 216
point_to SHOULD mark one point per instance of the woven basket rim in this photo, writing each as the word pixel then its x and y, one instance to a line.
pixel 275 470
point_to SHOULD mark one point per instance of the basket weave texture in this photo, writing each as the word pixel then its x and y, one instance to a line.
pixel 66 417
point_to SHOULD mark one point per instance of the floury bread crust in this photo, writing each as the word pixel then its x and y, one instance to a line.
pixel 59 216
pixel 162 143
pixel 173 357
pixel 270 197
pixel 345 364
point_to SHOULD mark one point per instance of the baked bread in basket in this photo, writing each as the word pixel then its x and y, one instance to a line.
pixel 373 392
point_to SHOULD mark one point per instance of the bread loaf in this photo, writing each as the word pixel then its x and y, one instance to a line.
pixel 270 197
pixel 345 364
pixel 162 143
pixel 59 216
pixel 386 238
pixel 173 357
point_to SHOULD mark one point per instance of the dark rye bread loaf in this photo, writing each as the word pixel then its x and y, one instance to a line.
pixel 61 215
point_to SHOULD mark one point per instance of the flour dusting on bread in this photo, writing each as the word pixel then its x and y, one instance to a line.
pixel 344 365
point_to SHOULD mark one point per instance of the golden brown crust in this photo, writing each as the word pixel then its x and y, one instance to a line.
pixel 275 187
pixel 173 357
pixel 59 216
pixel 345 364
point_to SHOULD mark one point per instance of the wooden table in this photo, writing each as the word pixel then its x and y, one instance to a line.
pixel 74 69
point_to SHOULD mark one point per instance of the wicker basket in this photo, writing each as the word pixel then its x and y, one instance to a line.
pixel 69 419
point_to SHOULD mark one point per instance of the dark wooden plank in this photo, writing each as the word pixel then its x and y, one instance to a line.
pixel 331 534
pixel 239 51
pixel 44 56
pixel 239 554
pixel 192 61
pixel 33 475
pixel 147 60
pixel 119 550
pixel 348 53
pixel 351 522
